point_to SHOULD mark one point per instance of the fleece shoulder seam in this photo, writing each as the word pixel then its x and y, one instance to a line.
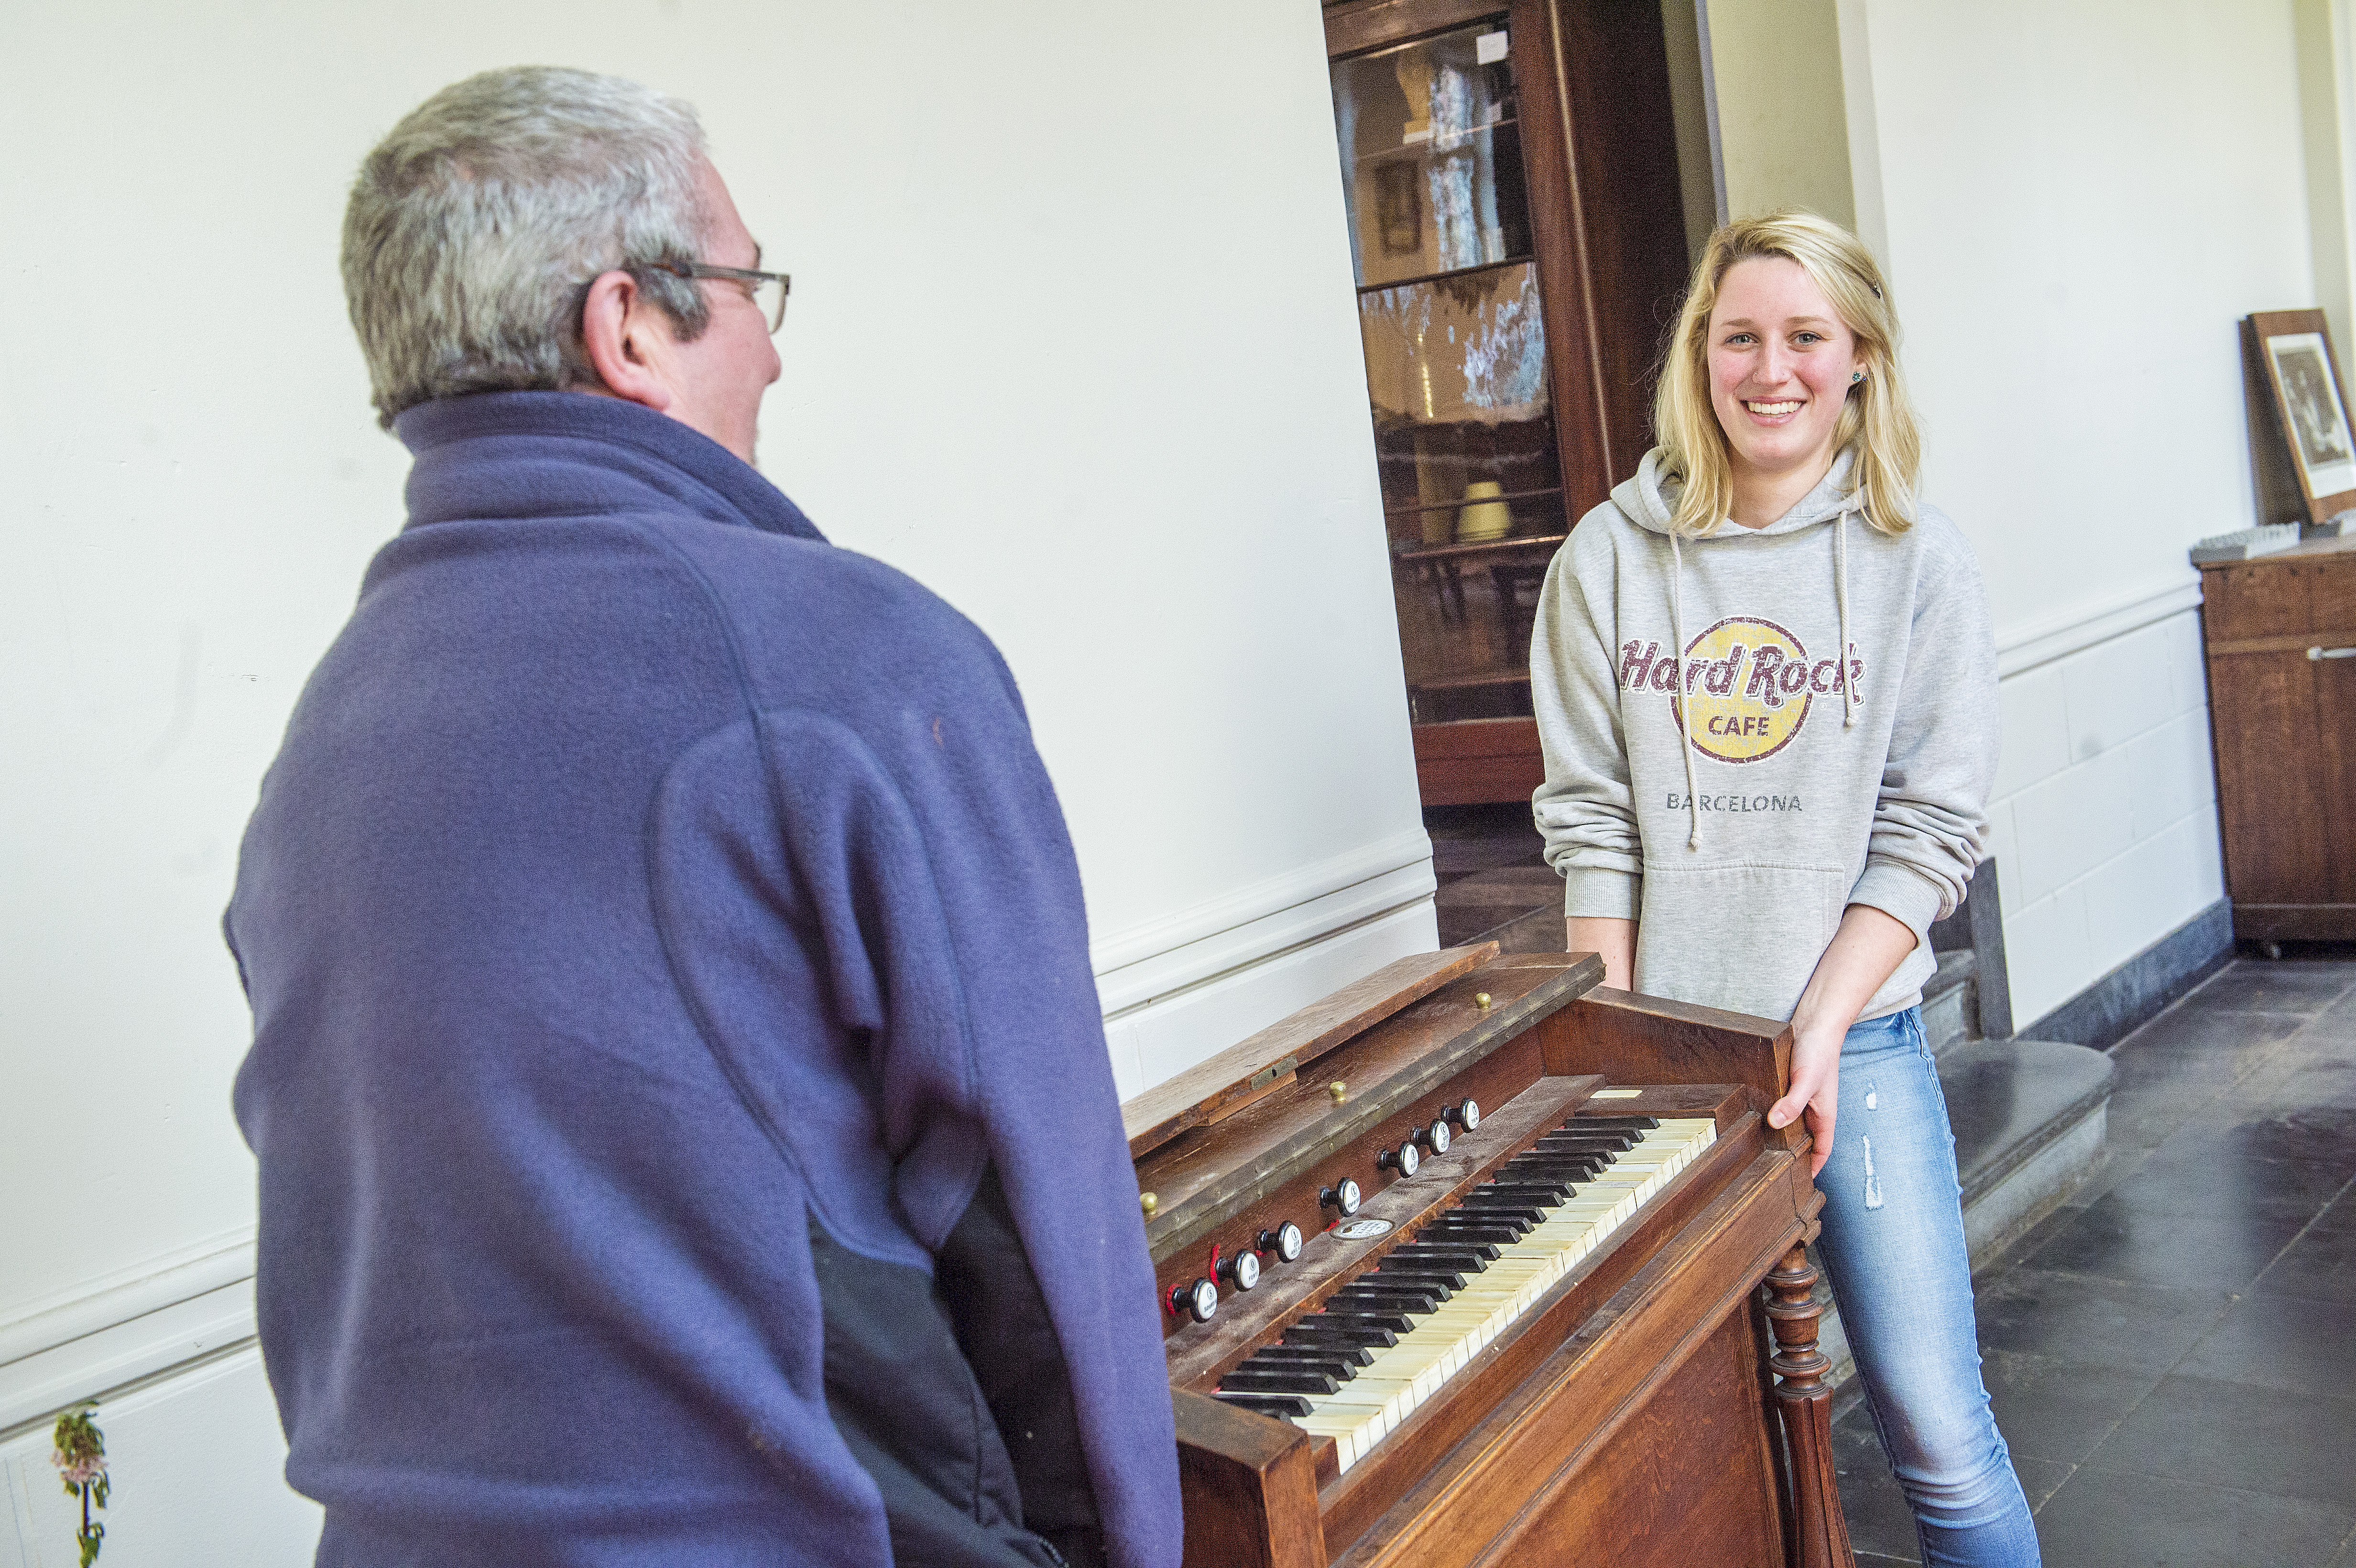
pixel 968 1072
pixel 756 716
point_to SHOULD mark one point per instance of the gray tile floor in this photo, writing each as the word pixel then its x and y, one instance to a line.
pixel 2172 1355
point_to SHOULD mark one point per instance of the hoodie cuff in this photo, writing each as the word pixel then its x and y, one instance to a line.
pixel 1596 892
pixel 1902 894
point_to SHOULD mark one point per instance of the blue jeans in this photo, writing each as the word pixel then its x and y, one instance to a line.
pixel 1893 1245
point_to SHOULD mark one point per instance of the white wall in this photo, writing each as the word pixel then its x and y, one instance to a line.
pixel 1072 340
pixel 2324 37
pixel 2104 818
pixel 2080 201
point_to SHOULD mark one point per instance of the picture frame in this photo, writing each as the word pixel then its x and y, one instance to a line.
pixel 2293 349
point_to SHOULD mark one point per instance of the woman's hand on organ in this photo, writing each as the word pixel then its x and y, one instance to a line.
pixel 1865 951
pixel 1815 1096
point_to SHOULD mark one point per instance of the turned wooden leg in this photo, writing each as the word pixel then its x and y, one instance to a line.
pixel 1819 1532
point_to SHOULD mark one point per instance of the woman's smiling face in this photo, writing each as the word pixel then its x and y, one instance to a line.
pixel 1780 363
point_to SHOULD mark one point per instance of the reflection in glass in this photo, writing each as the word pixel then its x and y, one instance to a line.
pixel 1456 359
pixel 1432 156
pixel 1457 348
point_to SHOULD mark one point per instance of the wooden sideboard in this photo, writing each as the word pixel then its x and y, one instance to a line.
pixel 2280 634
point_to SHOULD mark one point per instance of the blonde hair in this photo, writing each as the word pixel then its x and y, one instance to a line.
pixel 1876 421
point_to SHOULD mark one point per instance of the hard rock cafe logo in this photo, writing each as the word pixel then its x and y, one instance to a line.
pixel 1748 685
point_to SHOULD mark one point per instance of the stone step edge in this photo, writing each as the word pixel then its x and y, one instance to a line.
pixel 1949 1003
pixel 2089 1101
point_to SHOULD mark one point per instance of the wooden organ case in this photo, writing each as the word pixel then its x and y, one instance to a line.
pixel 1637 1400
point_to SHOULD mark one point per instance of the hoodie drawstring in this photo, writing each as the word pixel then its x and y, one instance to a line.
pixel 1840 590
pixel 1684 702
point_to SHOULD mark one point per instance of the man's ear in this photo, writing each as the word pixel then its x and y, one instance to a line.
pixel 626 338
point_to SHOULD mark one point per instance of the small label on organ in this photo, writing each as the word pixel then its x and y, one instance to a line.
pixel 1361 1230
pixel 1617 1093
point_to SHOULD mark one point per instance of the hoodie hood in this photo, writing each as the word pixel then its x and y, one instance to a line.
pixel 1649 500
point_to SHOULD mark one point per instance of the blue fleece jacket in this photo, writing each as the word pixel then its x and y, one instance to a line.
pixel 643 877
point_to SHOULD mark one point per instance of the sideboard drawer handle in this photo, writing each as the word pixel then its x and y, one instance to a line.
pixel 2331 652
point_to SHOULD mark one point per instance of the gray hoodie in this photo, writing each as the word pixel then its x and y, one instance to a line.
pixel 1813 780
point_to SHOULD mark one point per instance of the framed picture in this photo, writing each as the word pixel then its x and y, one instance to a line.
pixel 2294 352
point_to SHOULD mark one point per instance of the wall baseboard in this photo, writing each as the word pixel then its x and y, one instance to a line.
pixel 2021 648
pixel 2136 991
pixel 1210 939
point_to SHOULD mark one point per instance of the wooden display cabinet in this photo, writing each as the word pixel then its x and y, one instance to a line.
pixel 1518 234
pixel 2280 635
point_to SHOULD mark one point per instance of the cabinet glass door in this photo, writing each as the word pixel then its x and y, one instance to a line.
pixel 1456 360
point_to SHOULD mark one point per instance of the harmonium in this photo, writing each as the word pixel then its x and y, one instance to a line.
pixel 1480 1261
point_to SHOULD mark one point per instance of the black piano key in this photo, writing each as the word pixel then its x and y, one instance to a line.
pixel 1328 1348
pixel 1459 1260
pixel 1604 1143
pixel 1562 1176
pixel 1449 1232
pixel 1417 1299
pixel 1625 1124
pixel 1543 1159
pixel 1276 1404
pixel 1473 1220
pixel 1536 1180
pixel 1375 1282
pixel 1474 1203
pixel 1413 1272
pixel 1299 1381
pixel 1539 1194
pixel 1282 1358
pixel 1321 1329
pixel 1355 1312
pixel 1485 1250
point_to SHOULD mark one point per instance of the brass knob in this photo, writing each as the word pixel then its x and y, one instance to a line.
pixel 1339 1090
pixel 1480 999
pixel 1149 1203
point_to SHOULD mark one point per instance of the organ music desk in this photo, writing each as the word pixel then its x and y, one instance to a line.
pixel 1462 1266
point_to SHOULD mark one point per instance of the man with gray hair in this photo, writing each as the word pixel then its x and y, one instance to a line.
pixel 684 1125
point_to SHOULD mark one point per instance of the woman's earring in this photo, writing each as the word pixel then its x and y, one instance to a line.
pixel 1854 377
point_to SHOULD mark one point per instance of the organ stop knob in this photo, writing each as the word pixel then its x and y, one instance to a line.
pixel 1466 1115
pixel 1242 1271
pixel 1197 1300
pixel 1434 1138
pixel 1405 1160
pixel 1284 1242
pixel 1342 1197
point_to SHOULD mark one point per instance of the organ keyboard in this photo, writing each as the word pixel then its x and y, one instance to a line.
pixel 1506 1233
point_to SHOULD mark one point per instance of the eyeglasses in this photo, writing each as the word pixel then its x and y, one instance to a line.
pixel 757 282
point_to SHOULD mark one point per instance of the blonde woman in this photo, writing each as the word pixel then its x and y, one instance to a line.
pixel 1764 679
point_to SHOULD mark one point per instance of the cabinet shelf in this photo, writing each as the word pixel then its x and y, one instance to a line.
pixel 1471 680
pixel 1477 548
pixel 1473 270
pixel 1458 506
pixel 1437 144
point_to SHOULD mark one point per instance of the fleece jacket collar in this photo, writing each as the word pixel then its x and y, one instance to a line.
pixel 546 455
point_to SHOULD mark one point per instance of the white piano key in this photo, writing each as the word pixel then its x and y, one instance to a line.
pixel 1438 1344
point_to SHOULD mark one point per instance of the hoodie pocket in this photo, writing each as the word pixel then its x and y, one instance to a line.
pixel 1745 938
